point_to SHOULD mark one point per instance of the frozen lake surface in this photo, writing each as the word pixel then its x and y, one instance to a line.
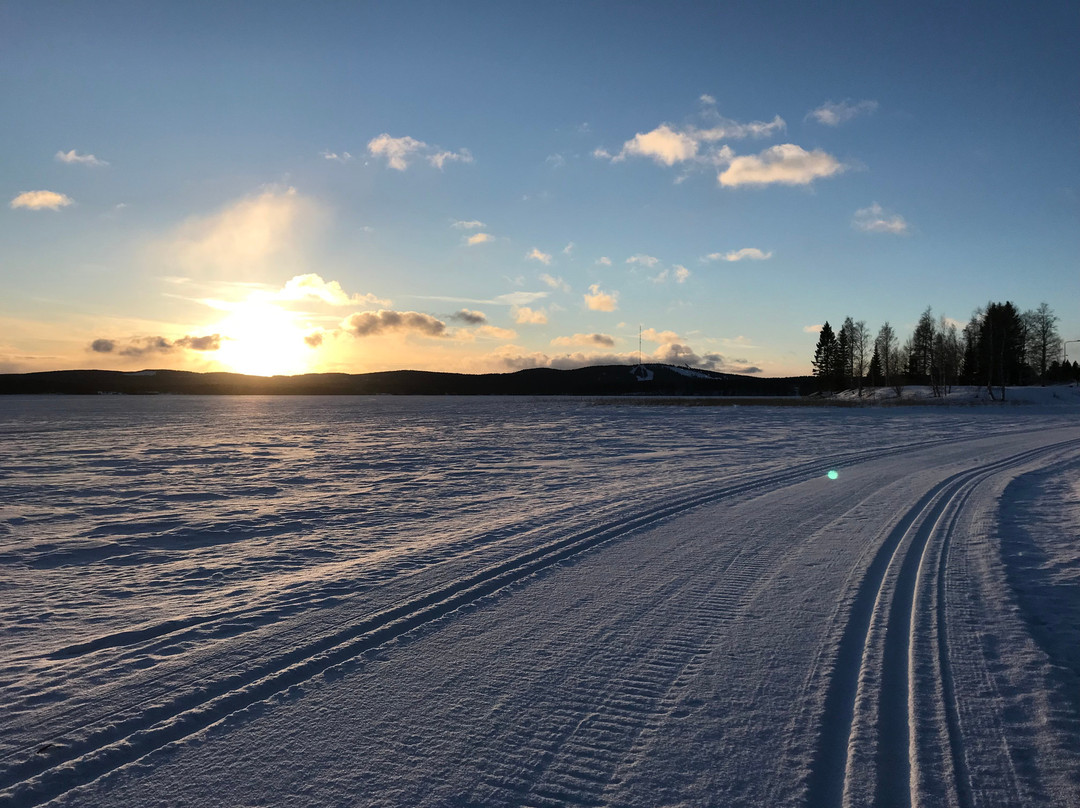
pixel 492 601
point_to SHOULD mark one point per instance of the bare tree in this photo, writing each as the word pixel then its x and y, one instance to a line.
pixel 1043 339
pixel 860 346
pixel 899 356
pixel 886 346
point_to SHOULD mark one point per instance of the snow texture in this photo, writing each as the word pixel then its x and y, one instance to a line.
pixel 407 601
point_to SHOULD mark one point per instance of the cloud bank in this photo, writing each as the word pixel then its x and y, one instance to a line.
pixel 605 340
pixel 383 321
pixel 140 346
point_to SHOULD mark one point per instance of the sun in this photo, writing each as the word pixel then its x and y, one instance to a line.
pixel 263 339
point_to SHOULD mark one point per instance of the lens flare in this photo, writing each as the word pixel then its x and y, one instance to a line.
pixel 833 474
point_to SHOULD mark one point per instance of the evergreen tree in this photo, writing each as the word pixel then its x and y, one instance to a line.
pixel 922 350
pixel 842 360
pixel 873 375
pixel 1001 346
pixel 971 370
pixel 824 361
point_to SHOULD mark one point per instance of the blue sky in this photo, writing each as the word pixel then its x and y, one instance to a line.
pixel 487 186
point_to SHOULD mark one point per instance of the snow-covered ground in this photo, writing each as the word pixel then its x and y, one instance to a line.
pixel 401 601
pixel 1058 395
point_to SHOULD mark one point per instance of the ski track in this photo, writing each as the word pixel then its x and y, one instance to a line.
pixel 40 777
pixel 890 728
pixel 877 744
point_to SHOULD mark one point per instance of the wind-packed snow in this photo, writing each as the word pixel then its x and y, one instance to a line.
pixel 498 601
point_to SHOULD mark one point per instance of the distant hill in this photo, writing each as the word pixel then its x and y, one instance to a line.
pixel 601 380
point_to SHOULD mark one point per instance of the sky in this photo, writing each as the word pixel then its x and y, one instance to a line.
pixel 484 187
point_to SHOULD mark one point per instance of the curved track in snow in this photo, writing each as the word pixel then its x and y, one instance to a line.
pixel 892 735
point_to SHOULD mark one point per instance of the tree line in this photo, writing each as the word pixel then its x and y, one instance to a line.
pixel 999 347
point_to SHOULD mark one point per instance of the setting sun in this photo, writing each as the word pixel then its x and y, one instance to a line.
pixel 261 338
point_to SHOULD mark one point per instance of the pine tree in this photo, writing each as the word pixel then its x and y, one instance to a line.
pixel 922 349
pixel 1001 346
pixel 824 361
pixel 874 373
pixel 842 360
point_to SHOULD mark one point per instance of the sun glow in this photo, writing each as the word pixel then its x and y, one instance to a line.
pixel 263 339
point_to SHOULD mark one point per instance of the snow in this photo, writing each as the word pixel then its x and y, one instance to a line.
pixel 411 601
pixel 1052 396
pixel 690 372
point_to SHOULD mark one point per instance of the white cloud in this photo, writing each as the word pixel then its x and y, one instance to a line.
pixel 727 129
pixel 41 200
pixel 441 158
pixel 668 145
pixel 479 238
pixel 663 144
pixel 80 159
pixel 494 332
pixel 568 249
pixel 661 337
pixel 834 113
pixel 643 260
pixel 555 160
pixel 605 340
pixel 344 157
pixel 373 323
pixel 520 298
pixel 600 153
pixel 400 151
pixel 813 329
pixel 746 253
pixel 786 164
pixel 555 283
pixel 876 219
pixel 597 300
pixel 468 225
pixel 603 261
pixel 705 98
pixel 313 287
pixel 396 150
pixel 542 257
pixel 678 273
pixel 523 315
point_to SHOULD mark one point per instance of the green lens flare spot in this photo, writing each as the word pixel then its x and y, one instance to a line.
pixel 833 474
